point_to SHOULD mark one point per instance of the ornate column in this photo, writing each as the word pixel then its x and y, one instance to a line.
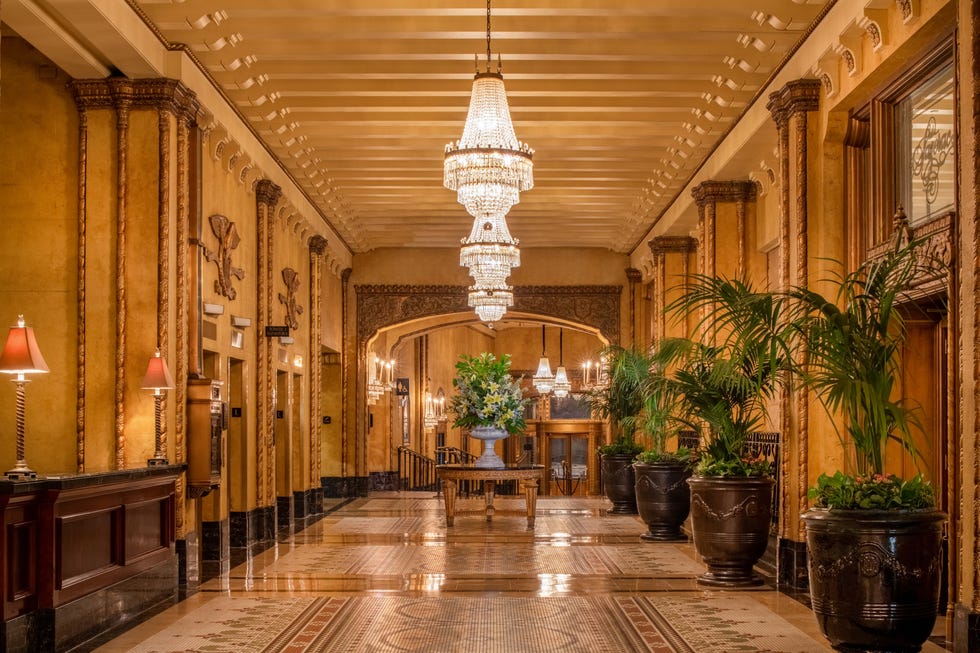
pixel 789 107
pixel 633 276
pixel 664 248
pixel 346 329
pixel 318 246
pixel 708 195
pixel 267 195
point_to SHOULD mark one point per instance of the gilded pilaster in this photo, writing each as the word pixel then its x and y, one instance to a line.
pixel 346 329
pixel 164 118
pixel 82 226
pixel 791 104
pixel 267 195
pixel 661 247
pixel 318 246
pixel 633 276
pixel 122 95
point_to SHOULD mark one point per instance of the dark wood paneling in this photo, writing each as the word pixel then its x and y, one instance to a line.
pixel 19 550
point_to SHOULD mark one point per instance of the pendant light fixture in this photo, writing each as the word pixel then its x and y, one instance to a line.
pixel 562 385
pixel 543 379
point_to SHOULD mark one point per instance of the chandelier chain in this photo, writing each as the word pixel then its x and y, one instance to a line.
pixel 489 56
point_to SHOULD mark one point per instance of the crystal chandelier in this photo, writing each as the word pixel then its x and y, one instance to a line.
pixel 490 303
pixel 562 386
pixel 490 252
pixel 543 379
pixel 489 168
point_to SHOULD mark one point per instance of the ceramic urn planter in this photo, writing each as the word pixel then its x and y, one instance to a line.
pixel 663 499
pixel 618 482
pixel 875 576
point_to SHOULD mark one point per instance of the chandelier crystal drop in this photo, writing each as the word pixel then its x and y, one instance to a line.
pixel 490 252
pixel 490 303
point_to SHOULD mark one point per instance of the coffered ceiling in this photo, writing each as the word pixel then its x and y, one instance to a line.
pixel 621 100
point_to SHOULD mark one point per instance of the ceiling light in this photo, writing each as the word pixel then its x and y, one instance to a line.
pixel 543 379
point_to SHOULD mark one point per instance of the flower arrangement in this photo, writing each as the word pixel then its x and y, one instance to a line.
pixel 871 492
pixel 487 395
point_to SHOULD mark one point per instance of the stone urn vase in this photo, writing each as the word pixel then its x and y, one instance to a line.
pixel 875 576
pixel 619 483
pixel 730 520
pixel 663 499
pixel 489 436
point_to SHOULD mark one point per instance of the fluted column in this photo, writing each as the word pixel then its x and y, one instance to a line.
pixel 668 252
pixel 318 246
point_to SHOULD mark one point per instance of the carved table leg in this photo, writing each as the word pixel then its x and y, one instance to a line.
pixel 530 499
pixel 488 490
pixel 449 495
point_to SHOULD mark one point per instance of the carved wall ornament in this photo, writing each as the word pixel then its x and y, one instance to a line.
pixel 228 240
pixel 379 306
pixel 293 309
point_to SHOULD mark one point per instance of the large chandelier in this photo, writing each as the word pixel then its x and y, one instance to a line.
pixel 489 168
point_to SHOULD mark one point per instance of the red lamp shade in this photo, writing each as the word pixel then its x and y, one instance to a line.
pixel 157 375
pixel 21 354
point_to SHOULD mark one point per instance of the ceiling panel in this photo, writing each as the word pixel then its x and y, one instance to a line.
pixel 359 97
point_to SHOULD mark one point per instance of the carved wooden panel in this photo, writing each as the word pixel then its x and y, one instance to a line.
pixel 379 306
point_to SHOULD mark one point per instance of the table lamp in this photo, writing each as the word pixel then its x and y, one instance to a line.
pixel 21 356
pixel 157 379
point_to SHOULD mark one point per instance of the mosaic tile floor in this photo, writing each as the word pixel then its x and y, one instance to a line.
pixel 385 575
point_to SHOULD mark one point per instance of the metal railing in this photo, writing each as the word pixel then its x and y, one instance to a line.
pixel 416 471
pixel 453 456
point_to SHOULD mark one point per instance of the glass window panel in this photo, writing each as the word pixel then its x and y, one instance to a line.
pixel 926 153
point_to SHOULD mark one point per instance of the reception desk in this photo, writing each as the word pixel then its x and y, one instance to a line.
pixel 529 477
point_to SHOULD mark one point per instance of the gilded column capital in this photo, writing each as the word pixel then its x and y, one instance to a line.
pixel 796 96
pixel 669 244
pixel 633 275
pixel 91 94
pixel 724 191
pixel 318 245
pixel 345 274
pixel 266 192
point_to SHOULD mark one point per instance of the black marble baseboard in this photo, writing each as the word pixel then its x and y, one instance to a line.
pixel 340 487
pixel 215 540
pixel 70 625
pixel 793 574
pixel 284 512
pixel 383 482
pixel 300 505
pixel 246 529
pixel 966 630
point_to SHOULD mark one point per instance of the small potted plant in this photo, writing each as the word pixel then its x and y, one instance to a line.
pixel 874 540
pixel 488 402
pixel 621 401
pixel 662 495
pixel 734 368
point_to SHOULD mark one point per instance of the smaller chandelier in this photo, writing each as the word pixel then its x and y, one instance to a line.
pixel 543 379
pixel 490 252
pixel 562 386
pixel 490 303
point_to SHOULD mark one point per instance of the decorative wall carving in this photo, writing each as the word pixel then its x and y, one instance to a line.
pixel 288 299
pixel 228 240
pixel 379 306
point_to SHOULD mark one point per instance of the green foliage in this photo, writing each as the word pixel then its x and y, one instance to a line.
pixel 683 455
pixel 876 492
pixel 853 343
pixel 738 362
pixel 622 400
pixel 487 394
pixel 620 447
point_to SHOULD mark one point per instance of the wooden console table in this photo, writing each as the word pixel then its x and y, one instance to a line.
pixel 529 477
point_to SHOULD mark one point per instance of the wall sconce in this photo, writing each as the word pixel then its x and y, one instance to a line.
pixel 214 309
pixel 21 356
pixel 286 340
pixel 241 322
pixel 157 379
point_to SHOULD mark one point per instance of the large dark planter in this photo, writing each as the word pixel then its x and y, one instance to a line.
pixel 875 576
pixel 730 522
pixel 663 499
pixel 618 483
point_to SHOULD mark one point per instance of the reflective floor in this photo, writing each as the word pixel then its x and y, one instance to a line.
pixel 384 574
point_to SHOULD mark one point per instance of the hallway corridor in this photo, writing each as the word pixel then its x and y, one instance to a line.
pixel 383 574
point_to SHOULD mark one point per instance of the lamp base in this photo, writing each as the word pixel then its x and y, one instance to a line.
pixel 21 474
pixel 157 462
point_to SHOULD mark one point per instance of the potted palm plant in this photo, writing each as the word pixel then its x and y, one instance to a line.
pixel 621 402
pixel 662 495
pixel 732 371
pixel 874 540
